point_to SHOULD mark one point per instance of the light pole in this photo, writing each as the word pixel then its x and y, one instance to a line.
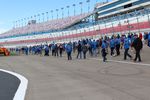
pixel 19 23
pixel 88 1
pixel 119 16
pixel 128 22
pixel 16 24
pixel 34 17
pixel 28 20
pixel 62 12
pixel 57 13
pixel 43 16
pixel 31 17
pixel 39 17
pixel 47 16
pixel 22 22
pixel 74 9
pixel 81 6
pixel 99 29
pixel 105 27
pixel 112 27
pixel 13 24
pixel 68 10
pixel 25 21
pixel 138 23
pixel 52 14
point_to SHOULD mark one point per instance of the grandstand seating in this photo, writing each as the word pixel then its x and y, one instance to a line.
pixel 119 23
pixel 46 26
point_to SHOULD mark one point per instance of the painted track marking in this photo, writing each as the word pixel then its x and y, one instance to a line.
pixel 124 62
pixel 21 91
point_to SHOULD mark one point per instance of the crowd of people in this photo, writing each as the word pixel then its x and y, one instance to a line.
pixel 102 46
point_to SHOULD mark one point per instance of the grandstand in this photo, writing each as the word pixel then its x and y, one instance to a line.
pixel 117 16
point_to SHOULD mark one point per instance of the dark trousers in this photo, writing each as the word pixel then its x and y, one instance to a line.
pixel 112 50
pixel 104 55
pixel 84 54
pixel 69 55
pixel 60 53
pixel 126 54
pixel 56 53
pixel 118 49
pixel 79 53
pixel 148 44
pixel 90 51
pixel 46 53
pixel 137 56
pixel 53 52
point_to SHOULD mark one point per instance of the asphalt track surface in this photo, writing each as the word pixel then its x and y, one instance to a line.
pixel 52 78
pixel 8 86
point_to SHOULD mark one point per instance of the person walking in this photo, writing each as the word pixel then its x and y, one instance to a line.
pixel 127 44
pixel 117 42
pixel 104 54
pixel 112 46
pixel 148 40
pixel 84 48
pixel 79 48
pixel 138 45
pixel 46 49
pixel 69 51
pixel 60 50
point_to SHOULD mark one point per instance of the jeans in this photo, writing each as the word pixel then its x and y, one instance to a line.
pixel 126 54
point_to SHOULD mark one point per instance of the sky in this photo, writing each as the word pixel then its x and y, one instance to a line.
pixel 14 10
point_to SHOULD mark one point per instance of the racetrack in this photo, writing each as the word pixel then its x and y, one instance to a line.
pixel 53 78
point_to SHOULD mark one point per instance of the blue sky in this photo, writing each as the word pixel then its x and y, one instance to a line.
pixel 13 10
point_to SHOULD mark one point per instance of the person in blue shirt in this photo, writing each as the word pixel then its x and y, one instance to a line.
pixel 69 51
pixel 46 50
pixel 26 50
pixel 112 46
pixel 149 39
pixel 117 42
pixel 53 49
pixel 127 44
pixel 103 51
pixel 94 48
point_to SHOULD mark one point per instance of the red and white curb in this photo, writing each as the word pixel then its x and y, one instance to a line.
pixel 21 91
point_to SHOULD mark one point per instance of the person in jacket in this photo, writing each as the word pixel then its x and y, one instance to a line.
pixel 79 48
pixel 94 48
pixel 148 40
pixel 103 51
pixel 127 44
pixel 60 50
pixel 85 49
pixel 117 42
pixel 138 45
pixel 46 49
pixel 69 51
pixel 112 46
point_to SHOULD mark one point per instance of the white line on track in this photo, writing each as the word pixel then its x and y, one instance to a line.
pixel 124 62
pixel 21 91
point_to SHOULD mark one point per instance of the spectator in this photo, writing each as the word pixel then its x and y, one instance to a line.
pixel 104 50
pixel 126 47
pixel 79 48
pixel 138 45
pixel 69 51
pixel 112 46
